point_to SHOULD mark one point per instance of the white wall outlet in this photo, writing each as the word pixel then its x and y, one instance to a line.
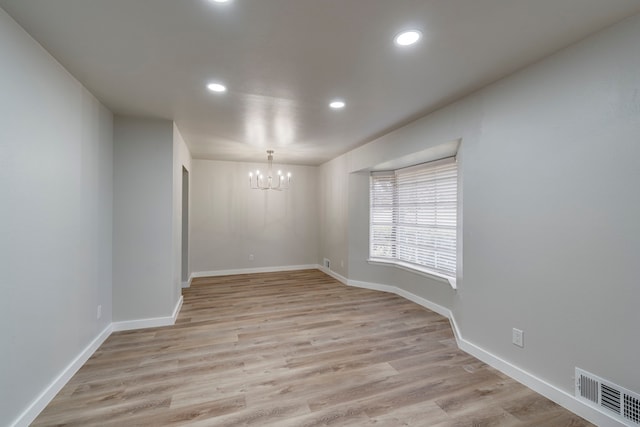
pixel 99 312
pixel 251 257
pixel 518 337
pixel 327 263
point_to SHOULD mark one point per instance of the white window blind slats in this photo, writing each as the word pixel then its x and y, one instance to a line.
pixel 414 216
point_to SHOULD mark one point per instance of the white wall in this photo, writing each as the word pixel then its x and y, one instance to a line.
pixel 181 158
pixel 550 211
pixel 230 221
pixel 55 219
pixel 143 254
pixel 333 181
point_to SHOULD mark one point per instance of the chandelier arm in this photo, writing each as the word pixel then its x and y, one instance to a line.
pixel 266 182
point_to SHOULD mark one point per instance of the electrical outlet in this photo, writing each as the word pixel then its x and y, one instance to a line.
pixel 518 337
pixel 99 312
pixel 251 257
pixel 327 263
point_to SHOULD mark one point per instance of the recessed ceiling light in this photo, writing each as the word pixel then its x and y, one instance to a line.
pixel 219 1
pixel 216 87
pixel 337 104
pixel 407 38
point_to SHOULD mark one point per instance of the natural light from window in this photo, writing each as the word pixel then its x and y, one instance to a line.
pixel 413 218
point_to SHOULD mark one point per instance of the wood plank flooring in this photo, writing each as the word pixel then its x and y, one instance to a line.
pixel 294 349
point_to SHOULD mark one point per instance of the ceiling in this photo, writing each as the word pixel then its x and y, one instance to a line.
pixel 283 61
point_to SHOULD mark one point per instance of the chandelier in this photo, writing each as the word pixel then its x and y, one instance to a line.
pixel 260 181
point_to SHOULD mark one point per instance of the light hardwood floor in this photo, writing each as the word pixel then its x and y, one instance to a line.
pixel 294 349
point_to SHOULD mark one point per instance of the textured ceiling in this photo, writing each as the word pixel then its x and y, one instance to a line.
pixel 284 60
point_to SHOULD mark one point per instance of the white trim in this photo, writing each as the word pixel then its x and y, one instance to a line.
pixel 431 163
pixel 187 284
pixel 215 273
pixel 415 269
pixel 539 385
pixel 333 274
pixel 546 389
pixel 177 308
pixel 47 395
pixel 153 322
pixel 443 311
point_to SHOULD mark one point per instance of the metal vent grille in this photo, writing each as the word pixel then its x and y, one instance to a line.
pixel 609 398
pixel 632 408
pixel 588 388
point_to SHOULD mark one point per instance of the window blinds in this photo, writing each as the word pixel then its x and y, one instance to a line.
pixel 414 215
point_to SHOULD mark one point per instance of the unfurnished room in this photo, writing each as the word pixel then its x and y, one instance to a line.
pixel 321 213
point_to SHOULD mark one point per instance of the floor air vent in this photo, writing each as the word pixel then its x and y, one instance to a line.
pixel 609 398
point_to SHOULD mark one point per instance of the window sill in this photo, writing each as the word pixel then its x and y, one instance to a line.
pixel 413 269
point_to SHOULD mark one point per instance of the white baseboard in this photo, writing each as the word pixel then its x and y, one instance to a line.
pixel 215 273
pixel 187 284
pixel 540 386
pixel 153 322
pixel 54 388
pixel 544 388
pixel 443 311
pixel 333 274
pixel 177 308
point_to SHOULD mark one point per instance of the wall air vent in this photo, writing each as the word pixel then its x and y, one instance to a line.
pixel 611 399
pixel 588 387
pixel 632 408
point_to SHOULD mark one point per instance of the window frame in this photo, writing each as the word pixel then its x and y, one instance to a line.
pixel 400 185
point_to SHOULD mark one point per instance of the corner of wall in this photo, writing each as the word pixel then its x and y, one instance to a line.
pixel 153 322
pixel 47 395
